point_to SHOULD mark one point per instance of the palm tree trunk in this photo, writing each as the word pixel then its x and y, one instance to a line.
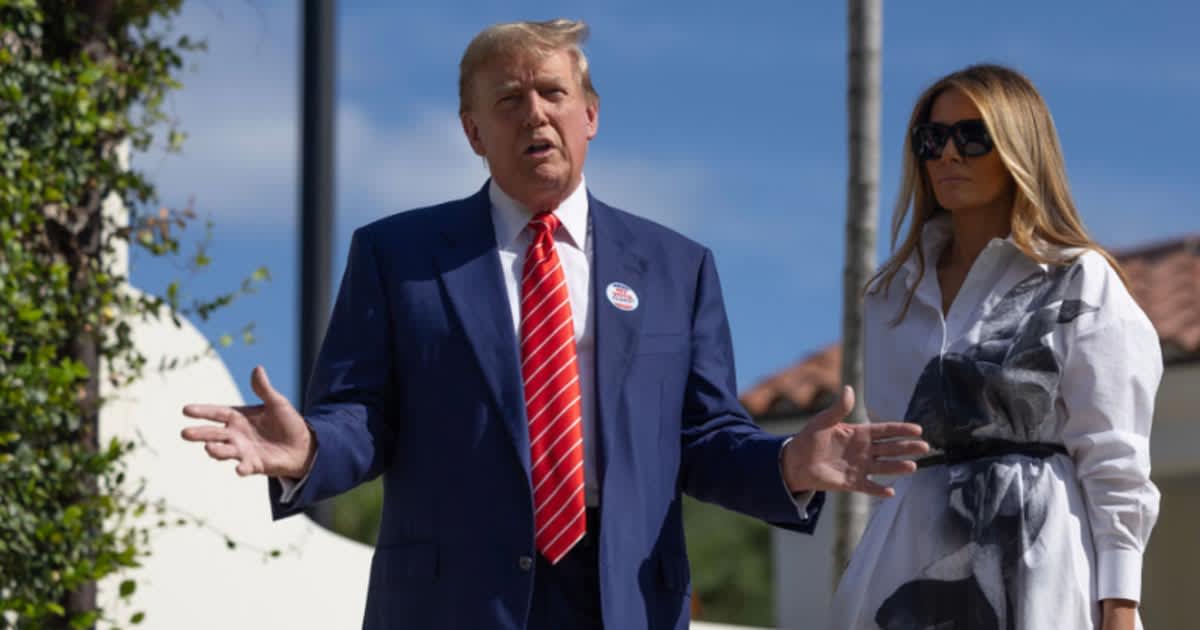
pixel 865 21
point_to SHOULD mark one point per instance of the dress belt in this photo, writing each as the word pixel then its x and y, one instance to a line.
pixel 982 449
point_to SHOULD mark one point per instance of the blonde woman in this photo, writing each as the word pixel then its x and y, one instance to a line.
pixel 1010 336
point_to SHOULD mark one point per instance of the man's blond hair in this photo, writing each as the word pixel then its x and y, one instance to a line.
pixel 517 40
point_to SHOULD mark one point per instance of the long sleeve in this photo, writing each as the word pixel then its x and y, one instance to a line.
pixel 348 396
pixel 1111 373
pixel 726 458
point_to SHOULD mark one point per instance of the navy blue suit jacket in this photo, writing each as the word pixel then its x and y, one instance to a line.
pixel 418 380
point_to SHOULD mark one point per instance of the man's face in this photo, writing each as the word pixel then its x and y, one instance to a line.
pixel 531 120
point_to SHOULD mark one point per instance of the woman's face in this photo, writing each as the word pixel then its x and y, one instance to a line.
pixel 964 183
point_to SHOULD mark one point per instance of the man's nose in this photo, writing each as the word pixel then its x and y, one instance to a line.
pixel 535 110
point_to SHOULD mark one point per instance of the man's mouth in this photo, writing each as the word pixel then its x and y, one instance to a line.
pixel 539 149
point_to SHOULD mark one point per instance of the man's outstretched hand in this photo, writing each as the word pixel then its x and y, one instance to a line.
pixel 269 439
pixel 829 454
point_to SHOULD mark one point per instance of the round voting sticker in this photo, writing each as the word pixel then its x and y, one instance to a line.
pixel 621 296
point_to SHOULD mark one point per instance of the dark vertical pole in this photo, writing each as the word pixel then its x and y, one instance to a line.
pixel 316 192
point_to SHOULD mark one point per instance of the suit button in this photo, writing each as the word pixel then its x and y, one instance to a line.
pixel 525 562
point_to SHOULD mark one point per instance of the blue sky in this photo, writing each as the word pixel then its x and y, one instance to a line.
pixel 725 121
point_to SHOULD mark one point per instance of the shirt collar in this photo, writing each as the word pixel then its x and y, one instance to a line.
pixel 510 217
pixel 937 232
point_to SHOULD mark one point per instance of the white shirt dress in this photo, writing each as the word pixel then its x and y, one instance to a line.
pixel 1036 391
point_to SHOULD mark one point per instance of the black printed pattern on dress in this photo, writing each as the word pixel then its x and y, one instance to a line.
pixel 1001 388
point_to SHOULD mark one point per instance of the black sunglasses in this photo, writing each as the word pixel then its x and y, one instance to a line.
pixel 971 138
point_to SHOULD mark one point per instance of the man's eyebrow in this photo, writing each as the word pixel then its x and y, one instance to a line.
pixel 506 86
pixel 510 85
pixel 550 78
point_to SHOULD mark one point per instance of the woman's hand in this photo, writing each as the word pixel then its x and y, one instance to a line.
pixel 1118 614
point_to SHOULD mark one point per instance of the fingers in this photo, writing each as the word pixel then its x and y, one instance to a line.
pixel 836 412
pixel 867 486
pixel 893 467
pixel 216 413
pixel 246 468
pixel 899 448
pixel 885 430
pixel 262 386
pixel 222 450
pixel 206 434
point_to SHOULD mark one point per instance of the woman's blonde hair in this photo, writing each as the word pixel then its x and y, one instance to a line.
pixel 521 40
pixel 1024 135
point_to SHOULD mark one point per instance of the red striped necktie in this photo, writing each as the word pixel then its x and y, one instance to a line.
pixel 552 396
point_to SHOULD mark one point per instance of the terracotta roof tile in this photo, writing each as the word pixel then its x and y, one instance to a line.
pixel 800 388
pixel 1165 281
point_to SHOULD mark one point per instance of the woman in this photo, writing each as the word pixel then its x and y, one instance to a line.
pixel 1010 336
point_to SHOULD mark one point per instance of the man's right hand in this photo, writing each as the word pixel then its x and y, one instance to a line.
pixel 269 439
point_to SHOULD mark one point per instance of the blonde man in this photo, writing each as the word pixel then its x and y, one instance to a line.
pixel 537 376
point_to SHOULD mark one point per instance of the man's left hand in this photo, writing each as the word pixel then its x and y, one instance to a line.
pixel 829 454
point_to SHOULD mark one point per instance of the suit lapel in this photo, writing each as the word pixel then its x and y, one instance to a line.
pixel 470 268
pixel 615 259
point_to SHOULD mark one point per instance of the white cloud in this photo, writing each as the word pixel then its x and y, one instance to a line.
pixel 238 107
pixel 386 169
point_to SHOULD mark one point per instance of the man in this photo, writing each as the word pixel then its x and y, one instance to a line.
pixel 537 376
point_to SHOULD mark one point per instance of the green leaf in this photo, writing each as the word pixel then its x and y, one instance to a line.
pixel 72 516
pixel 67 512
pixel 138 617
pixel 90 76
pixel 175 140
pixel 85 620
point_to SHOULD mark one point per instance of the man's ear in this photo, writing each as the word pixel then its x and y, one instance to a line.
pixel 472 132
pixel 593 115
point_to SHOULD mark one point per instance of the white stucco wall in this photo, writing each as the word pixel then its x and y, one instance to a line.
pixel 192 581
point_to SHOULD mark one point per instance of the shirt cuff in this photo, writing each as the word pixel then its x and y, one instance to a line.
pixel 292 487
pixel 1119 574
pixel 799 499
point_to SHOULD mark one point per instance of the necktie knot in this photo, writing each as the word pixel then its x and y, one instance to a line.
pixel 544 223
